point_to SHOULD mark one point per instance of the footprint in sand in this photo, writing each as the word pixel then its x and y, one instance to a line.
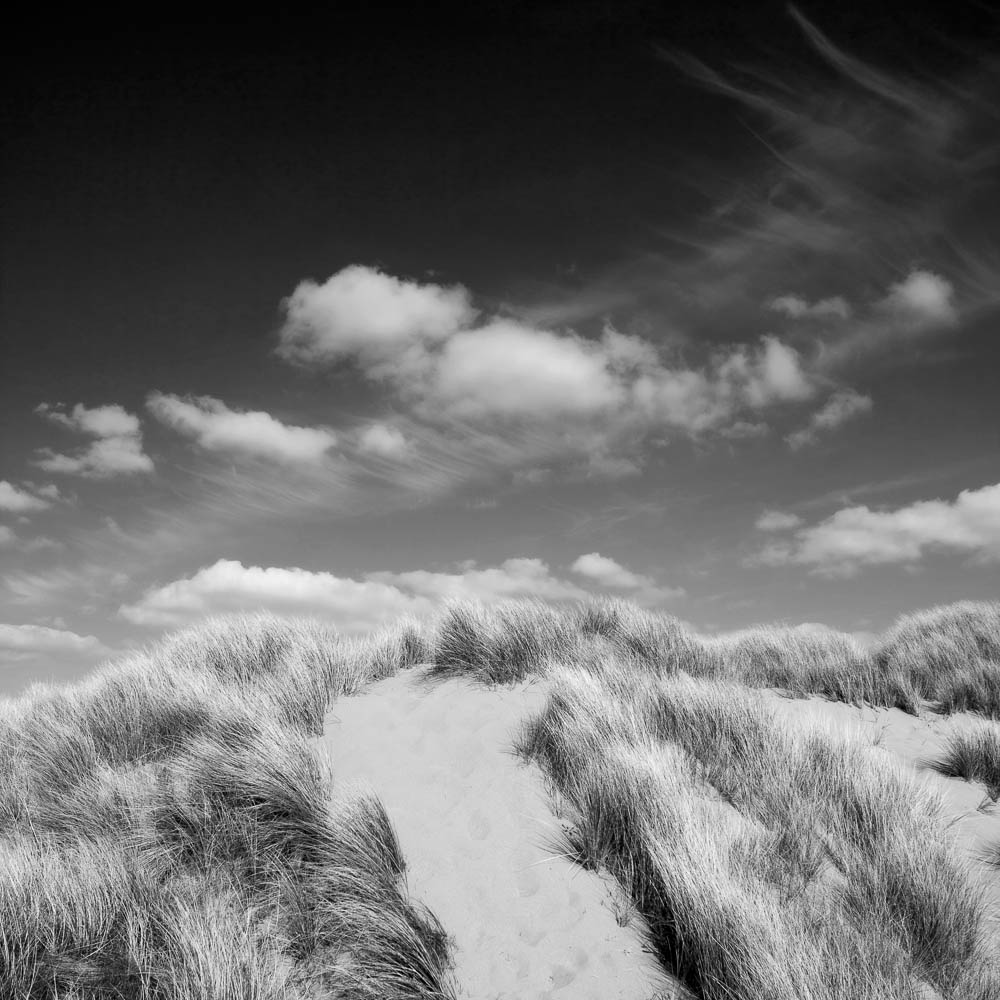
pixel 479 826
pixel 561 976
pixel 530 935
pixel 527 883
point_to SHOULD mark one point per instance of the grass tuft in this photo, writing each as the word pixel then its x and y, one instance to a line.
pixel 973 755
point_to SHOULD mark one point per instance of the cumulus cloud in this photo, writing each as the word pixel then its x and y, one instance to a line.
pixel 383 440
pixel 856 537
pixel 361 312
pixel 116 451
pixel 573 395
pixel 359 604
pixel 922 299
pixel 21 500
pixel 227 585
pixel 216 427
pixel 842 406
pixel 513 578
pixel 608 574
pixel 507 369
pixel 796 307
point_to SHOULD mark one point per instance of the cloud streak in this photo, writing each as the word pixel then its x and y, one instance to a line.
pixel 842 406
pixel 864 178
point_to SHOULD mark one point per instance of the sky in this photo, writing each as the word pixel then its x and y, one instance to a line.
pixel 690 305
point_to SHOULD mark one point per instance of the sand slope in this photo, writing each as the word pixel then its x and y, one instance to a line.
pixel 477 832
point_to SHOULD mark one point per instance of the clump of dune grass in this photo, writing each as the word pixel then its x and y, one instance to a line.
pixel 974 755
pixel 949 655
pixel 766 861
pixel 167 834
pixel 944 659
pixel 502 643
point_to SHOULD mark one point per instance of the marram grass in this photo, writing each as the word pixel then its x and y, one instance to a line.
pixel 166 833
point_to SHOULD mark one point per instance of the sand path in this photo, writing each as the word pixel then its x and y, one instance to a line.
pixel 477 832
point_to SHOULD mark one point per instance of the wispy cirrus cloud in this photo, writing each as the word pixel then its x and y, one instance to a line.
pixel 796 307
pixel 115 451
pixel 857 537
pixel 864 177
pixel 842 406
pixel 215 427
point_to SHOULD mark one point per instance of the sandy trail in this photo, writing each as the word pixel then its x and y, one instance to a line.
pixel 477 832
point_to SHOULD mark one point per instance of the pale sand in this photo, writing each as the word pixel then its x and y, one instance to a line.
pixel 477 832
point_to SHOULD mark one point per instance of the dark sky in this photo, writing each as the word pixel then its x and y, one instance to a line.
pixel 166 186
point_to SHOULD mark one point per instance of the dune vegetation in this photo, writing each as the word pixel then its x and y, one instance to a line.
pixel 974 755
pixel 168 833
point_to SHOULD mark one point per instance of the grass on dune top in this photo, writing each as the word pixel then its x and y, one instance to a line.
pixel 946 658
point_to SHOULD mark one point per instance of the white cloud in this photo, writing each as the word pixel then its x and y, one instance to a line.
pixel 38 639
pixel 361 312
pixel 7 537
pixel 20 501
pixel 520 577
pixel 357 604
pixel 507 369
pixel 920 300
pixel 216 427
pixel 855 537
pixel 919 304
pixel 228 585
pixel 570 395
pixel 117 449
pixel 777 375
pixel 796 307
pixel 383 440
pixel 777 520
pixel 609 574
pixel 842 406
